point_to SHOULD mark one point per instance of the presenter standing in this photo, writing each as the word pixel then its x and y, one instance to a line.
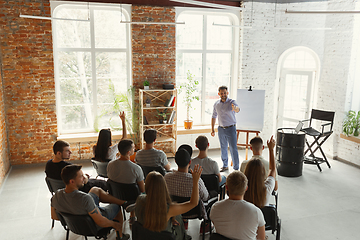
pixel 225 109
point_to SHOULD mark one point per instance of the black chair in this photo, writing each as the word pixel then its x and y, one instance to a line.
pixel 196 212
pixel 100 167
pixel 218 236
pixel 82 225
pixel 272 220
pixel 211 182
pixel 141 233
pixel 123 191
pixel 323 116
pixel 53 186
pixel 147 170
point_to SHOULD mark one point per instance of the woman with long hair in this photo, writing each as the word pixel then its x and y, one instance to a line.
pixel 103 150
pixel 156 212
pixel 259 191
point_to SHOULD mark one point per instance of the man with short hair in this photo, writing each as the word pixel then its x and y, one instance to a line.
pixel 234 217
pixel 54 166
pixel 179 182
pixel 123 170
pixel 71 200
pixel 209 166
pixel 149 156
pixel 225 109
pixel 257 147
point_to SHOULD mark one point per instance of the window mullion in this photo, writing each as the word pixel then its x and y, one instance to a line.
pixel 203 85
pixel 93 63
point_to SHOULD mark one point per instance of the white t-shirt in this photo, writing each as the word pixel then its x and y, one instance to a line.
pixel 270 185
pixel 264 162
pixel 113 150
pixel 208 165
pixel 237 219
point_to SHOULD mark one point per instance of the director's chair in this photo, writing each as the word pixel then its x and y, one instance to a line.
pixel 319 137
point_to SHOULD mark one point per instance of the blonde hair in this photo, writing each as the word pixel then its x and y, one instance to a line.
pixel 157 202
pixel 236 183
pixel 255 173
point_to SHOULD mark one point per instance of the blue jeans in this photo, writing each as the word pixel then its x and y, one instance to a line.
pixel 227 137
pixel 223 180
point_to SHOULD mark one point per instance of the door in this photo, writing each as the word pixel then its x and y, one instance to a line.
pixel 294 97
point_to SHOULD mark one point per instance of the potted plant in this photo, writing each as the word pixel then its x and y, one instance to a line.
pixel 351 123
pixel 146 85
pixel 162 116
pixel 189 88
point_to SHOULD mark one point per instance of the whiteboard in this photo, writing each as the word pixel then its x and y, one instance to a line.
pixel 251 115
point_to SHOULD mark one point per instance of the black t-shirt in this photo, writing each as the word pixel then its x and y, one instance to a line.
pixel 53 170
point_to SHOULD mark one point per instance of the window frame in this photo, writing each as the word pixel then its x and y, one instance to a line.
pixel 55 7
pixel 234 69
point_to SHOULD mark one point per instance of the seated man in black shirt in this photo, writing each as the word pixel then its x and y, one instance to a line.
pixel 54 166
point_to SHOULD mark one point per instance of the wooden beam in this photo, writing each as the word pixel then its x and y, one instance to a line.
pixel 162 3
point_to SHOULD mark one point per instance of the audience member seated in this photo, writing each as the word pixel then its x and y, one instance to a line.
pixel 209 166
pixel 156 212
pixel 103 150
pixel 257 147
pixel 180 182
pixel 54 166
pixel 71 200
pixel 234 217
pixel 259 191
pixel 123 170
pixel 149 156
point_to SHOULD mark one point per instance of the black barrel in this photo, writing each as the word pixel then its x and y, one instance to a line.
pixel 289 152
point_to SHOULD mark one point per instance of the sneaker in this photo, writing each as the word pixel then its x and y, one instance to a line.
pixel 223 169
pixel 132 220
pixel 124 237
pixel 186 225
pixel 130 207
pixel 208 228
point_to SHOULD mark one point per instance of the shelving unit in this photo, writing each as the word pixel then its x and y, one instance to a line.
pixel 166 132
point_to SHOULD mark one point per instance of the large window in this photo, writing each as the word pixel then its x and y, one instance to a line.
pixel 208 52
pixel 92 62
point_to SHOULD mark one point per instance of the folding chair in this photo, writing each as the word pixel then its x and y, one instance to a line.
pixel 319 137
pixel 100 167
pixel 141 233
pixel 272 220
pixel 53 185
pixel 82 225
pixel 123 191
pixel 218 236
pixel 211 182
pixel 147 170
pixel 196 212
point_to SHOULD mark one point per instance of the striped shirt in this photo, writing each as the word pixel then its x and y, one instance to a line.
pixel 151 158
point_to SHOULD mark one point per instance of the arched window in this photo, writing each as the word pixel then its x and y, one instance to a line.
pixel 210 53
pixel 298 71
pixel 92 64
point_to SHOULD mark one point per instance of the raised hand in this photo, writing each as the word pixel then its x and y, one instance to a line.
pixel 196 173
pixel 271 143
pixel 122 115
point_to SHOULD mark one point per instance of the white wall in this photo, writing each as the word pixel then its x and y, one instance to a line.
pixel 267 40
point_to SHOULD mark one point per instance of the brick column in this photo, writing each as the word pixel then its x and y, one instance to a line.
pixel 28 80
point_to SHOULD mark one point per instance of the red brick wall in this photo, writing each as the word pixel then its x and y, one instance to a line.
pixel 28 74
pixel 153 50
pixel 28 80
pixel 4 154
pixel 153 46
